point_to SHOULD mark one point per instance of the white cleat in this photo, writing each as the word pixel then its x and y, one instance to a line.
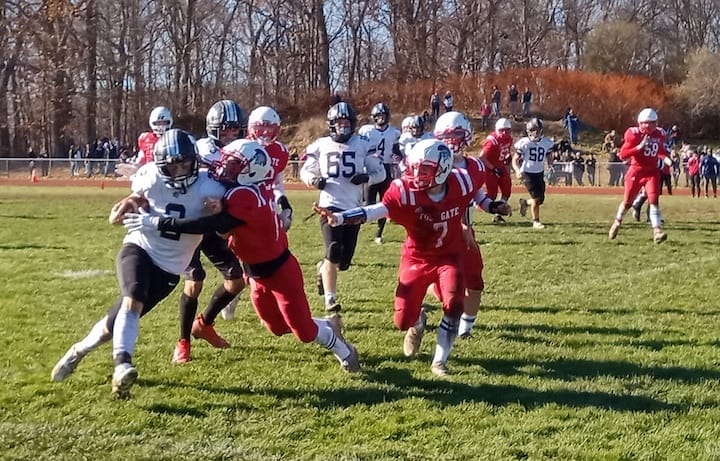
pixel 538 225
pixel 414 336
pixel 378 240
pixel 67 364
pixel 614 229
pixel 229 312
pixel 439 369
pixel 123 378
pixel 351 363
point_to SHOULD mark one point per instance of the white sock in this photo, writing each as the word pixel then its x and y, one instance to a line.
pixel 96 337
pixel 125 332
pixel 655 218
pixel 620 213
pixel 447 332
pixel 329 298
pixel 466 324
pixel 327 338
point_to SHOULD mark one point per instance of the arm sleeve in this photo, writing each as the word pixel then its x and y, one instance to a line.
pixel 222 222
pixel 279 185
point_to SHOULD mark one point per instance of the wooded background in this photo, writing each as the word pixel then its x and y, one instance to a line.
pixel 81 69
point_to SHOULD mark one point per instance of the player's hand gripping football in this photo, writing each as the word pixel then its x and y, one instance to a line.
pixel 140 221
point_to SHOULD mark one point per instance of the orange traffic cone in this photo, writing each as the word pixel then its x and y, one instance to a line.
pixel 102 185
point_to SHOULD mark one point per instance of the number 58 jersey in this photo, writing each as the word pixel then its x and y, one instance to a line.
pixel 338 163
pixel 534 154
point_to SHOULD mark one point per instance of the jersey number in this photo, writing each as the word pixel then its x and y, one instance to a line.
pixel 536 154
pixel 341 164
pixel 442 227
pixel 175 210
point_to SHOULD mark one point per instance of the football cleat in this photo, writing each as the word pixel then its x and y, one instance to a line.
pixel 538 225
pixel 414 336
pixel 202 330
pixel 636 213
pixel 614 229
pixel 351 363
pixel 659 236
pixel 439 369
pixel 523 207
pixel 123 378
pixel 182 352
pixel 67 364
pixel 497 219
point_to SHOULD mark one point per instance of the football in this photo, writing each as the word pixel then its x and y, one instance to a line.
pixel 126 205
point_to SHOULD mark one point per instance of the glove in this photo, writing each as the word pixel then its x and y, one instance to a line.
pixel 319 182
pixel 497 171
pixel 140 221
pixel 360 178
pixel 286 219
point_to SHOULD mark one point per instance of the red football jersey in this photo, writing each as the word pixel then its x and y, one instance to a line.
pixel 279 156
pixel 146 143
pixel 648 158
pixel 497 149
pixel 262 237
pixel 433 228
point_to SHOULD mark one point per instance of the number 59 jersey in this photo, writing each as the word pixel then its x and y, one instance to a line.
pixel 534 154
pixel 338 163
pixel 171 251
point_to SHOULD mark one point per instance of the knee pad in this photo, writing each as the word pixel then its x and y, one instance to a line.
pixel 333 253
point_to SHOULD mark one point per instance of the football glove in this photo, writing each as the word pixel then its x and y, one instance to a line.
pixel 319 182
pixel 360 178
pixel 140 221
pixel 286 218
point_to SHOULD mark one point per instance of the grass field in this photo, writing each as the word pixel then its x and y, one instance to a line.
pixel 585 348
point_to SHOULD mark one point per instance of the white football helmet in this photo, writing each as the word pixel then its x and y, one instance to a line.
pixel 406 124
pixel 429 163
pixel 454 129
pixel 264 125
pixel 160 120
pixel 502 124
pixel 647 115
pixel 245 162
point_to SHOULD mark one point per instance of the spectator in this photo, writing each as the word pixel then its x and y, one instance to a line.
pixel 513 100
pixel 448 101
pixel 526 102
pixel 496 99
pixel 609 141
pixel 578 168
pixel 709 172
pixel 44 163
pixel 673 137
pixel 435 105
pixel 295 164
pixel 693 168
pixel 485 112
pixel 615 168
pixel 31 163
pixel 76 157
pixel 675 167
pixel 572 123
pixel 590 165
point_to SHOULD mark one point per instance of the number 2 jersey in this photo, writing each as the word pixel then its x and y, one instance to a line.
pixel 434 228
pixel 171 251
pixel 534 154
pixel 338 163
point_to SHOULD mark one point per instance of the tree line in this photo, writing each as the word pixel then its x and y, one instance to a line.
pixel 82 69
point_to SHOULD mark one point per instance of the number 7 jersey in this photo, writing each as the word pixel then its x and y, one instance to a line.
pixel 338 163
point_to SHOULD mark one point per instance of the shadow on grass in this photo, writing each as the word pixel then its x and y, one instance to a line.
pixel 31 246
pixel 22 216
pixel 550 329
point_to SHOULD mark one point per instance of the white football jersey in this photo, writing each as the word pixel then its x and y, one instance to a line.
pixel 337 163
pixel 208 151
pixel 534 154
pixel 171 251
pixel 381 141
pixel 407 141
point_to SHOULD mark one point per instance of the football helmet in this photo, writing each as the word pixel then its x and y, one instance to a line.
pixel 429 163
pixel 160 120
pixel 454 129
pixel 264 125
pixel 502 124
pixel 341 110
pixel 647 120
pixel 380 113
pixel 244 162
pixel 176 158
pixel 406 124
pixel 224 115
pixel 417 126
pixel 534 129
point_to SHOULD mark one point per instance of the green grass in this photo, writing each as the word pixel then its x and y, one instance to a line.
pixel 584 349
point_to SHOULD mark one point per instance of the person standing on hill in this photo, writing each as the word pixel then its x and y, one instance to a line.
pixel 448 102
pixel 435 105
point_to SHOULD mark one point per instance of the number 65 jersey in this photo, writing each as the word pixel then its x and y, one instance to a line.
pixel 338 163
pixel 171 251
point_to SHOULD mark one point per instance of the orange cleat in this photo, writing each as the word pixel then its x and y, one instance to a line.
pixel 201 330
pixel 182 352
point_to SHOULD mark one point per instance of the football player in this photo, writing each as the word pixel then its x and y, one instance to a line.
pixel 149 262
pixel 429 201
pixel 339 165
pixel 496 153
pixel 384 141
pixel 160 120
pixel 225 122
pixel 644 146
pixel 276 279
pixel 531 156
